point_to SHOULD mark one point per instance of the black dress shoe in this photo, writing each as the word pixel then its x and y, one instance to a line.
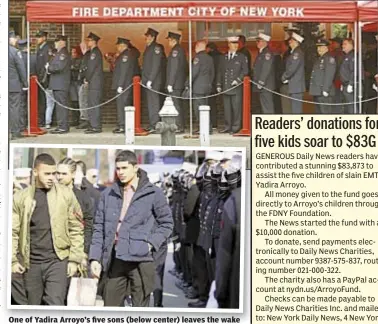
pixel 93 131
pixel 119 131
pixel 198 304
pixel 59 131
pixel 223 131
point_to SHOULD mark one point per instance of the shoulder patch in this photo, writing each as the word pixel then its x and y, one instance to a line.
pixel 19 54
pixel 125 58
pixel 268 56
pixel 195 61
pixel 295 56
pixel 62 57
pixel 332 60
pixel 93 56
pixel 174 53
pixel 157 50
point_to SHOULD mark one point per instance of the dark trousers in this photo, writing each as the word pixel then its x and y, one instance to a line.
pixel 180 119
pixel 159 259
pixel 324 109
pixel 296 105
pixel 213 110
pixel 202 276
pixel 41 107
pixel 14 104
pixel 266 100
pixel 185 264
pixel 369 107
pixel 124 100
pixel 47 283
pixel 18 289
pixel 61 98
pixel 76 112
pixel 348 99
pixel 277 103
pixel 285 102
pixel 94 114
pixel 24 111
pixel 233 111
pixel 154 106
pixel 139 275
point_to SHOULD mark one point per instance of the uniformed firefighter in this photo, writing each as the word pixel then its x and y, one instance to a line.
pixel 245 51
pixel 59 70
pixel 294 74
pixel 23 47
pixel 153 70
pixel 41 60
pixel 202 79
pixel 263 74
pixel 83 90
pixel 125 68
pixel 94 79
pixel 177 67
pixel 233 70
pixel 17 85
pixel 370 67
pixel 337 52
pixel 323 74
pixel 75 84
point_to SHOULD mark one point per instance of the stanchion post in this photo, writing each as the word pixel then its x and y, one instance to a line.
pixel 139 131
pixel 129 125
pixel 246 128
pixel 204 112
pixel 34 129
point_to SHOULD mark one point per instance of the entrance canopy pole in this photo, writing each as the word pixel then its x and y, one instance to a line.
pixel 355 68
pixel 360 71
pixel 28 72
pixel 190 79
pixel 63 31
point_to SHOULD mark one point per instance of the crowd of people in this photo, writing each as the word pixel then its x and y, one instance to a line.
pixel 77 79
pixel 63 225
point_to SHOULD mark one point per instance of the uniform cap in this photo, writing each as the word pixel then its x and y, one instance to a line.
pixel 61 38
pixel 202 170
pixel 263 37
pixel 322 42
pixel 154 177
pixel 121 40
pixel 93 36
pixel 22 172
pixel 41 33
pixel 151 32
pixel 297 37
pixel 22 43
pixel 213 155
pixel 190 167
pixel 173 35
pixel 233 39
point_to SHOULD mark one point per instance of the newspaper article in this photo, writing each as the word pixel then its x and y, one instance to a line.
pixel 314 219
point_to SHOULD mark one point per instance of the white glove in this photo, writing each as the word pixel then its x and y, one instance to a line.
pixel 170 89
pixel 47 66
pixel 25 89
pixel 349 88
pixel 212 302
pixel 259 87
pixel 219 89
pixel 234 83
pixel 71 268
pixel 150 247
pixel 120 89
pixel 96 268
pixel 375 87
pixel 178 246
pixel 285 82
pixel 341 88
pixel 149 84
pixel 18 268
pixel 325 94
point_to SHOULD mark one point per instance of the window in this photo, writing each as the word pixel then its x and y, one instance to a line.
pixel 220 31
pixel 17 24
pixel 339 30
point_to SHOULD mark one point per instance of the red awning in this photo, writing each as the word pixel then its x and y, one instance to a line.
pixel 177 11
pixel 372 28
pixel 368 11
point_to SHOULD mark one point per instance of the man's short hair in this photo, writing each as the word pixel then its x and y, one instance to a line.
pixel 242 39
pixel 349 40
pixel 127 156
pixel 43 158
pixel 82 165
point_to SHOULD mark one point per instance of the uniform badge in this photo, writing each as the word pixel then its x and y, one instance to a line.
pixel 332 60
pixel 157 50
pixel 196 60
pixel 268 56
pixel 19 54
pixel 295 56
pixel 174 53
pixel 124 59
pixel 62 57
pixel 93 56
